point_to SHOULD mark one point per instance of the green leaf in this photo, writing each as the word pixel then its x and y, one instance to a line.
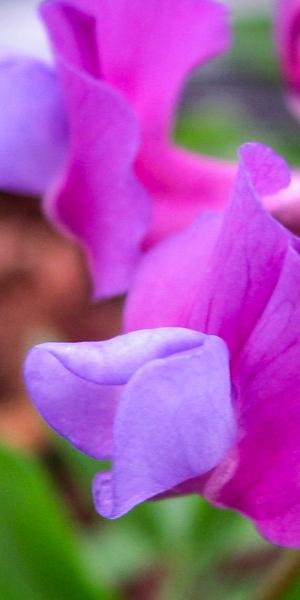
pixel 38 550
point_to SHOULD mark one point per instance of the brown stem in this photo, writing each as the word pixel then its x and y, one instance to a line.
pixel 281 577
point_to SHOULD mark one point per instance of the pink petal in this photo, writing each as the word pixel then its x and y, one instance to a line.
pixel 181 185
pixel 283 529
pixel 218 274
pixel 169 276
pixel 249 253
pixel 98 199
pixel 262 477
pixel 146 51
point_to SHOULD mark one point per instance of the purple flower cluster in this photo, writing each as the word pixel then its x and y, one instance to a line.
pixel 201 394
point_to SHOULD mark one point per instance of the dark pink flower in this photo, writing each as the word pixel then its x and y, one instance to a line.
pixel 111 103
pixel 238 277
pixel 207 399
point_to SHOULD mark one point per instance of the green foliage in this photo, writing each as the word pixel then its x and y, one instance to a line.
pixel 39 554
pixel 185 537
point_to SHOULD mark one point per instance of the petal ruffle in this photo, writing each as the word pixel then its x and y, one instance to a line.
pixel 146 50
pixel 249 253
pixel 219 275
pixel 75 387
pixel 98 198
pixel 175 421
pixel 220 272
pixel 33 127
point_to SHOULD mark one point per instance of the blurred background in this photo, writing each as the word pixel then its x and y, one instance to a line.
pixel 53 546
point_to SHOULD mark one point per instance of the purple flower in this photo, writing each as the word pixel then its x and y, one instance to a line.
pixel 207 400
pixel 108 108
pixel 158 402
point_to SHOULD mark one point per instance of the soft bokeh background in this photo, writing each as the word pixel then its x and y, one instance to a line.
pixel 52 544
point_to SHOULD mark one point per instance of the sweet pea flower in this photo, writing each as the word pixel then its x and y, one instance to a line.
pixel 96 131
pixel 204 400
pixel 238 277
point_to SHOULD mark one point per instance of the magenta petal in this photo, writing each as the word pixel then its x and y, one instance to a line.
pixel 219 273
pixel 75 387
pixel 283 529
pixel 145 51
pixel 148 48
pixel 265 171
pixel 33 129
pixel 174 422
pixel 200 183
pixel 264 473
pixel 98 198
pixel 248 255
pixel 180 262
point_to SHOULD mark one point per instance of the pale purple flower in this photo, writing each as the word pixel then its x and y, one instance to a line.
pixel 207 399
pixel 157 402
pixel 73 134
